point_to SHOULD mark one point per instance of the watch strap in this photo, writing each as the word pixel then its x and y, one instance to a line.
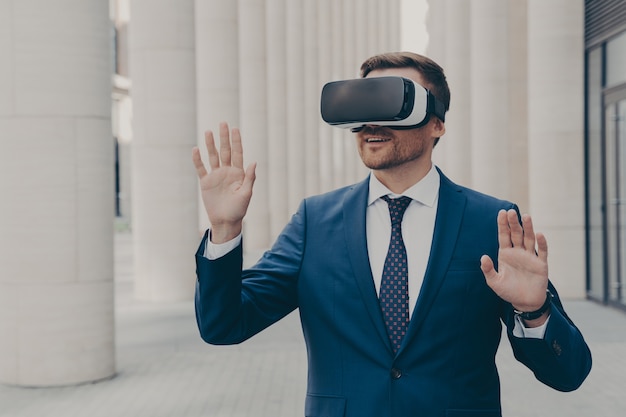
pixel 532 315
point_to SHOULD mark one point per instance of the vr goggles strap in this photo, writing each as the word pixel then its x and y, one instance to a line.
pixel 436 107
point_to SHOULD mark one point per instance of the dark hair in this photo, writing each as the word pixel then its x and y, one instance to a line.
pixel 431 72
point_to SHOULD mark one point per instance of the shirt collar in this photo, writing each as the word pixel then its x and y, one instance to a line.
pixel 424 191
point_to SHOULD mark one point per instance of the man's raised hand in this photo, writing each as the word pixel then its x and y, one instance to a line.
pixel 522 275
pixel 227 189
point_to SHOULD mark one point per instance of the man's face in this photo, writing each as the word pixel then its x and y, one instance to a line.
pixel 383 148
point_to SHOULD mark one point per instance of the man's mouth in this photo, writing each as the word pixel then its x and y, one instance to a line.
pixel 376 140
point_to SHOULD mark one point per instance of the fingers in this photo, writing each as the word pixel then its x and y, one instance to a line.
pixel 513 234
pixel 504 232
pixel 542 247
pixel 214 159
pixel 225 152
pixel 229 153
pixel 517 233
pixel 529 233
pixel 486 265
pixel 237 149
pixel 249 178
pixel 197 162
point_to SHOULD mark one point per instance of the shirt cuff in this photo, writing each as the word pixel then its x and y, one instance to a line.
pixel 213 251
pixel 520 331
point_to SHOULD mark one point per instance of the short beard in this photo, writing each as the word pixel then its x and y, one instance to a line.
pixel 388 164
pixel 393 160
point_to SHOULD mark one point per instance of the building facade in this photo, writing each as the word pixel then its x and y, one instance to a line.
pixel 605 150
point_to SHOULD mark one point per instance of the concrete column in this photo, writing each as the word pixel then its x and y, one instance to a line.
pixel 517 104
pixel 395 25
pixel 350 70
pixel 555 132
pixel 414 36
pixel 253 116
pixel 56 183
pixel 436 25
pixel 489 105
pixel 312 90
pixel 164 187
pixel 217 73
pixel 455 145
pixel 276 114
pixel 295 104
pixel 374 27
pixel 325 74
pixel 362 52
pixel 337 45
pixel 383 29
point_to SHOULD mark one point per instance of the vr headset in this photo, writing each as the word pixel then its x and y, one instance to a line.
pixel 396 102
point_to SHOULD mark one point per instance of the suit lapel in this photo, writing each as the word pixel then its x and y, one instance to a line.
pixel 447 224
pixel 354 208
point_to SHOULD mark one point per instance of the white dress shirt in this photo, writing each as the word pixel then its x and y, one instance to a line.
pixel 418 224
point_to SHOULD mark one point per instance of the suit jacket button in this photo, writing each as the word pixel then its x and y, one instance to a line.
pixel 396 373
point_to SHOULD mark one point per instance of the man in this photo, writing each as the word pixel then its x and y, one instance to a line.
pixel 332 262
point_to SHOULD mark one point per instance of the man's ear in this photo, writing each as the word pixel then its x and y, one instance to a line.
pixel 438 127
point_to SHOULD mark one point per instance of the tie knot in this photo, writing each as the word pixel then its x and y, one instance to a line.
pixel 397 207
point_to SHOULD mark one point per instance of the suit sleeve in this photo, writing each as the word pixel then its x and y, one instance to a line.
pixel 233 304
pixel 562 359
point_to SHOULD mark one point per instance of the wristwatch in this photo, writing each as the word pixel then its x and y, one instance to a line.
pixel 532 315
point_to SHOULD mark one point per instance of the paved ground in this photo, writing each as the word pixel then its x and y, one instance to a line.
pixel 164 369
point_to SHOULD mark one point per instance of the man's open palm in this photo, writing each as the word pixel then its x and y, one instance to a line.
pixel 227 189
pixel 522 275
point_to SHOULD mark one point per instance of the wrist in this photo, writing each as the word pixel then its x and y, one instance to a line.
pixel 224 232
pixel 529 324
pixel 538 316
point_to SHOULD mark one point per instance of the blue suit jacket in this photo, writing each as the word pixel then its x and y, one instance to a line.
pixel 446 364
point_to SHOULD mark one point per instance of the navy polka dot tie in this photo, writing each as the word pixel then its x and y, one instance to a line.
pixel 394 296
